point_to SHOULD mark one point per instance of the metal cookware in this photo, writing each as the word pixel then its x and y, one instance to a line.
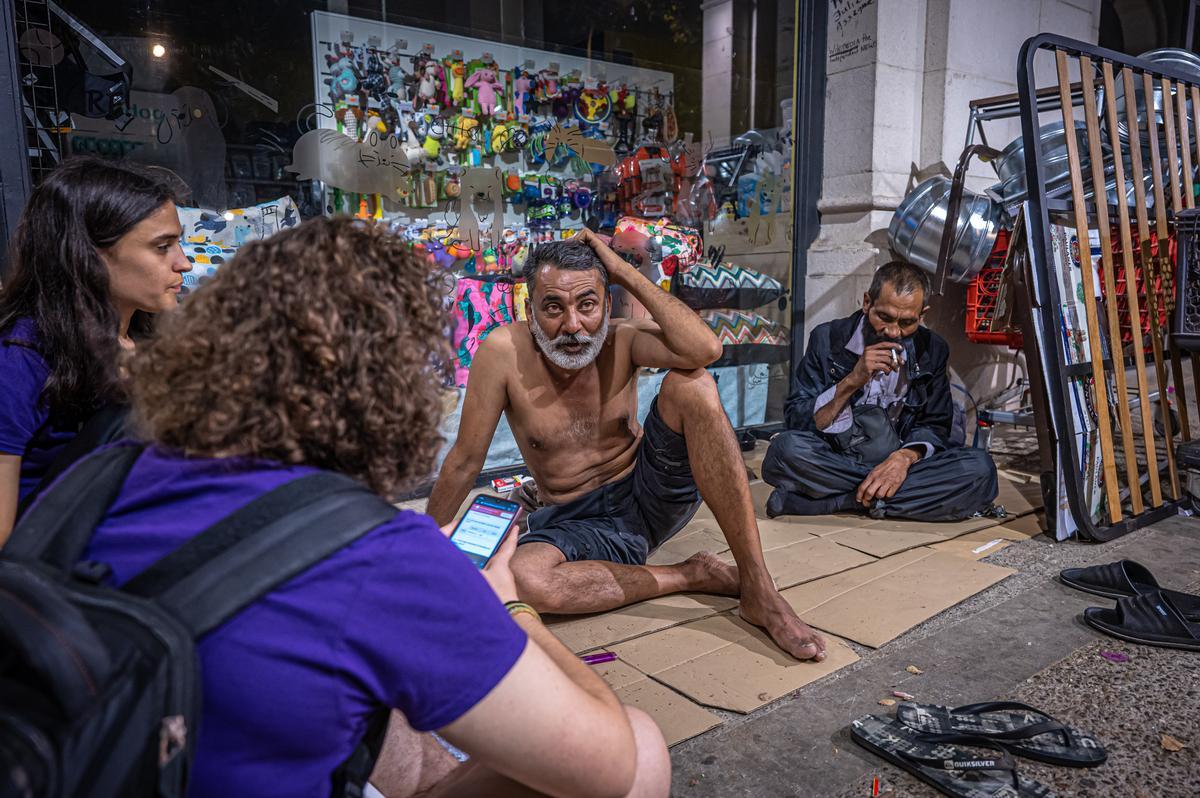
pixel 1170 58
pixel 1010 166
pixel 915 233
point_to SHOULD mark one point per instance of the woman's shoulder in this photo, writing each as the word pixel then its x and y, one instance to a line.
pixel 20 352
pixel 22 331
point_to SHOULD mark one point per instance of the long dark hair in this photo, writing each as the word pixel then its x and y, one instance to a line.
pixel 59 281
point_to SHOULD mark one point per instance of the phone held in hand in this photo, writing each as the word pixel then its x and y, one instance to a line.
pixel 482 528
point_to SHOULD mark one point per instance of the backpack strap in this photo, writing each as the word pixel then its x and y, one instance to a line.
pixel 244 556
pixel 106 425
pixel 57 528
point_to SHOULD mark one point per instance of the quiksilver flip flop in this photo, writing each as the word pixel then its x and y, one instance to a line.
pixel 1152 619
pixel 968 768
pixel 1019 728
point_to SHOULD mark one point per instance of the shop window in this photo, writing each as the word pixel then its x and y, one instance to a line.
pixel 477 130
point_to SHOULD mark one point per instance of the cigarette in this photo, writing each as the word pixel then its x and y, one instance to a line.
pixel 895 359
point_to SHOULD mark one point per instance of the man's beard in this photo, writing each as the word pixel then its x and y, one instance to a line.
pixel 571 361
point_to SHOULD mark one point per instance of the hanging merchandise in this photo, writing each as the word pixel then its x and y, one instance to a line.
pixel 211 238
pixel 480 306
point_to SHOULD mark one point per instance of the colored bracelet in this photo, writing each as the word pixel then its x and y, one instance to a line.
pixel 517 607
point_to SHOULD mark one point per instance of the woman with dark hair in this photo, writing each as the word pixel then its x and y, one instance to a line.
pixel 318 349
pixel 96 251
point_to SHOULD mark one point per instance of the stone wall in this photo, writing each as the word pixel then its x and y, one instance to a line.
pixel 900 75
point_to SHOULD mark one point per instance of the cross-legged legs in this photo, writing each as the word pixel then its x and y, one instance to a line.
pixel 810 477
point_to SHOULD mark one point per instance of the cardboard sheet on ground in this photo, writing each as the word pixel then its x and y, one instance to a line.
pixel 696 537
pixel 890 536
pixel 875 603
pixel 1018 498
pixel 978 545
pixel 594 631
pixel 725 662
pixel 678 718
pixel 806 559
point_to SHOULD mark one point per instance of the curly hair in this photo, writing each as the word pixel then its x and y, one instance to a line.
pixel 323 345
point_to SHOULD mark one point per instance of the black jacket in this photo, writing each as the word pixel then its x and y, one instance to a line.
pixel 928 408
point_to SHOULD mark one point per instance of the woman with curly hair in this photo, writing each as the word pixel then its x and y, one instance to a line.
pixel 318 348
pixel 96 251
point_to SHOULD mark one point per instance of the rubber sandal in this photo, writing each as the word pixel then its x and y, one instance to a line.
pixel 1018 728
pixel 1124 579
pixel 1114 580
pixel 1151 620
pixel 947 767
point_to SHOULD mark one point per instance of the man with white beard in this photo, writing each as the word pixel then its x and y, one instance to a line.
pixel 612 490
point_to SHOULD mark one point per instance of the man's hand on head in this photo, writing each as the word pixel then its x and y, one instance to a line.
pixel 616 266
pixel 886 478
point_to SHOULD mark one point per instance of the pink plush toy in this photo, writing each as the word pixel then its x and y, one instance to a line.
pixel 521 89
pixel 484 80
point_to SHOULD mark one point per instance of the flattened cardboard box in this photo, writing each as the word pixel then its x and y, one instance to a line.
pixel 725 662
pixel 594 631
pixel 878 602
pixel 889 536
pixel 1018 498
pixel 807 559
pixel 697 536
pixel 678 718
pixel 978 545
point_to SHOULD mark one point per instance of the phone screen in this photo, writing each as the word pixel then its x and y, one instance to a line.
pixel 482 528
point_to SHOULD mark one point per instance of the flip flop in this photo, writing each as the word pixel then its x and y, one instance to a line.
pixel 1124 579
pixel 1018 728
pixel 948 768
pixel 1152 619
pixel 1113 580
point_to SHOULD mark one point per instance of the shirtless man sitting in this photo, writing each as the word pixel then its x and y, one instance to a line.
pixel 613 490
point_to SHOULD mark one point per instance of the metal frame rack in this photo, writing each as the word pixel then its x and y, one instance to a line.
pixel 1087 387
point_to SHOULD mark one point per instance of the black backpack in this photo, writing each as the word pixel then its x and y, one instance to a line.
pixel 100 687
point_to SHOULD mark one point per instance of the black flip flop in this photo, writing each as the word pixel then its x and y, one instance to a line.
pixel 1152 619
pixel 950 769
pixel 1124 579
pixel 1113 580
pixel 1018 728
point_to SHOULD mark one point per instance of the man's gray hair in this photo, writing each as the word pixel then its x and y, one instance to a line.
pixel 905 278
pixel 570 255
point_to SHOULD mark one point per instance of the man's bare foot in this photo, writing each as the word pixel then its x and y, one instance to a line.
pixel 790 633
pixel 708 574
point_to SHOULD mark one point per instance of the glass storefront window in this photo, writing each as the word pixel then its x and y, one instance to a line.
pixel 475 129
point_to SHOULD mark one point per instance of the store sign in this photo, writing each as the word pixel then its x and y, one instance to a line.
pixel 178 131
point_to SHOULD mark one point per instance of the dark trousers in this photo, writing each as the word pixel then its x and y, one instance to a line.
pixel 946 486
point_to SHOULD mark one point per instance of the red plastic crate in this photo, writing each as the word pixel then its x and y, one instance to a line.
pixel 1121 284
pixel 982 293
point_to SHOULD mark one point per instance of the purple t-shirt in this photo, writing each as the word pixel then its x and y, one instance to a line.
pixel 26 427
pixel 400 618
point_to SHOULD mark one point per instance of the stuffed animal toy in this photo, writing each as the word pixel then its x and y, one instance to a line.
pixel 522 87
pixel 486 84
pixel 429 86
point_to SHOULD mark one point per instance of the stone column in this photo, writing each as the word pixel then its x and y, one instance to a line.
pixel 900 76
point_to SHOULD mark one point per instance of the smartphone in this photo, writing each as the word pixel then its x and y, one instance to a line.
pixel 483 526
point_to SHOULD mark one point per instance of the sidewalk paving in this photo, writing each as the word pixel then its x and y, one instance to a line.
pixel 1020 639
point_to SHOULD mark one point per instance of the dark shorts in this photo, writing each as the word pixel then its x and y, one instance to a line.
pixel 625 520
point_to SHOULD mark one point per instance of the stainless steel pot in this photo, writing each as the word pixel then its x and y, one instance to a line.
pixel 1171 58
pixel 1010 166
pixel 915 233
